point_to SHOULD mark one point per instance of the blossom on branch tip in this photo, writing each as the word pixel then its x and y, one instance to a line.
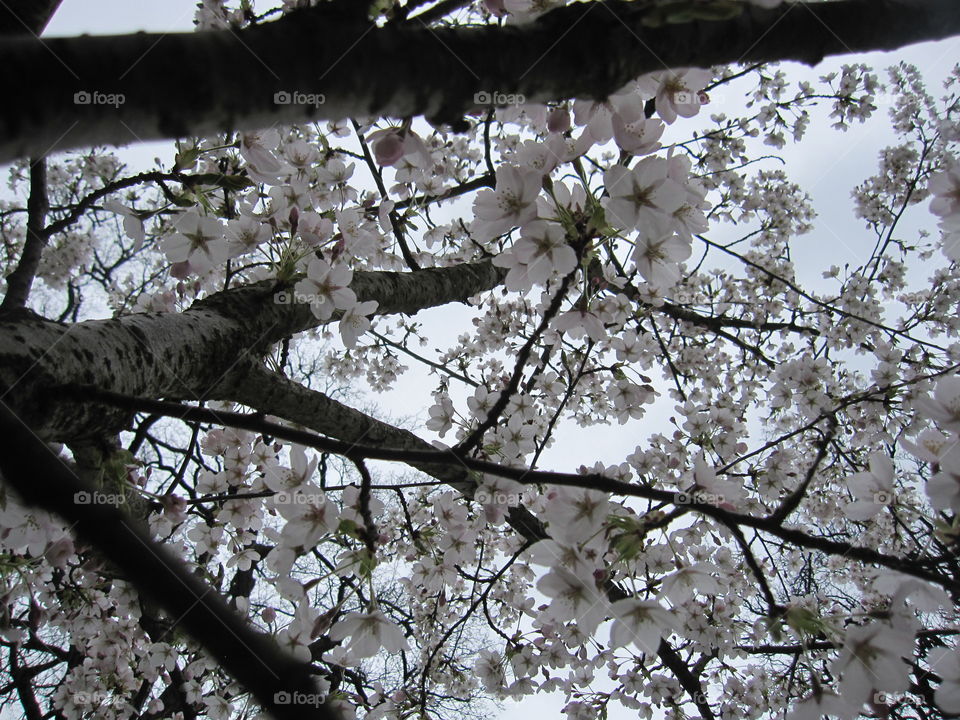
pixel 872 659
pixel 658 252
pixel 677 92
pixel 355 321
pixel 641 622
pixel 640 195
pixel 511 204
pixel 326 288
pixel 198 241
pixel 369 633
pixel 873 490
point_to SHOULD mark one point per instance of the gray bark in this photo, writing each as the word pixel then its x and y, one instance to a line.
pixel 182 355
pixel 175 85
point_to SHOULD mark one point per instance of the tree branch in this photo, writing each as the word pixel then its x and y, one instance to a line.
pixel 184 355
pixel 401 70
pixel 44 480
pixel 20 280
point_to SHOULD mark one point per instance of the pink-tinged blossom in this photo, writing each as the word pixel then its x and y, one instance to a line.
pixel 943 489
pixel 309 517
pixel 541 253
pixel 246 233
pixel 257 147
pixel 579 322
pixel 707 487
pixel 387 147
pixel 495 7
pixel 822 702
pixel 558 120
pixel 574 598
pixel 640 195
pixel 945 188
pixel 441 415
pixel 633 131
pixel 872 659
pixel 199 241
pixel 873 490
pixel 677 92
pixel 641 622
pixel 658 252
pixel 542 156
pixel 355 321
pixel 314 229
pixel 930 445
pixel 481 402
pixel 326 288
pixel 497 495
pixel 945 662
pixel 683 584
pixel 513 203
pixel 944 407
pixel 597 116
pixel 369 633
pixel 576 514
pixel 132 224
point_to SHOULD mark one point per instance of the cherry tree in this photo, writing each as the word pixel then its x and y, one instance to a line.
pixel 204 513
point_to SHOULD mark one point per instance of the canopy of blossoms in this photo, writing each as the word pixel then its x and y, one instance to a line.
pixel 207 340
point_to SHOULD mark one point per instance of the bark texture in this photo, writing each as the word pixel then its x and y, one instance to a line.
pixel 182 355
pixel 250 656
pixel 175 85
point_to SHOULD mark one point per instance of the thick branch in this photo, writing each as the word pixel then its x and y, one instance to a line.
pixel 184 355
pixel 582 50
pixel 45 481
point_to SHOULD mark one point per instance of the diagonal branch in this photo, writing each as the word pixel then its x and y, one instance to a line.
pixel 44 480
pixel 184 355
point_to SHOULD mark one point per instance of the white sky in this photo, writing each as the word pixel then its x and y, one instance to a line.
pixel 827 165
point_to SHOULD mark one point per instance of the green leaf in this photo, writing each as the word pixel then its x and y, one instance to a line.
pixel 186 159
